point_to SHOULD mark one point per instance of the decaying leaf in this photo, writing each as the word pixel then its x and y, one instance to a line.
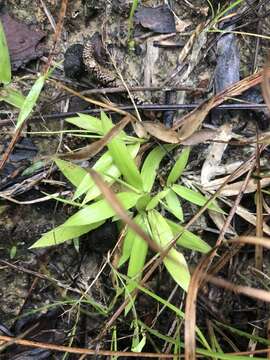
pixel 233 189
pixel 215 153
pixel 22 41
pixel 160 131
pixel 191 122
pixel 158 19
pixel 200 136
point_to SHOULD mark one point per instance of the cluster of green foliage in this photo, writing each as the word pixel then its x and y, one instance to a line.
pixel 136 194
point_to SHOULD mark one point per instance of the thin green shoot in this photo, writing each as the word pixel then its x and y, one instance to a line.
pixel 5 66
pixel 131 17
pixel 225 11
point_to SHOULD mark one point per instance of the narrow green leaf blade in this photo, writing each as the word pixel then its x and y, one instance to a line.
pixel 137 260
pixel 121 157
pixel 61 234
pixel 156 199
pixel 74 173
pixel 12 96
pixel 174 205
pixel 178 167
pixel 108 170
pixel 87 122
pixel 129 240
pixel 30 100
pixel 109 175
pixel 5 68
pixel 100 210
pixel 151 165
pixel 187 239
pixel 194 197
pixel 87 184
pixel 175 262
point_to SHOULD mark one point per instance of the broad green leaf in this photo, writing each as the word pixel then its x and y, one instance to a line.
pixel 174 205
pixel 176 265
pixel 137 259
pixel 128 241
pixel 30 100
pixel 194 197
pixel 94 125
pixel 109 171
pixel 187 239
pixel 74 173
pixel 5 68
pixel 61 234
pixel 100 210
pixel 87 122
pixel 178 167
pixel 156 199
pixel 174 262
pixel 151 165
pixel 121 157
pixel 12 96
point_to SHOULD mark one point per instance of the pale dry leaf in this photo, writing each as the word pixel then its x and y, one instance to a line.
pixel 238 168
pixel 215 153
pixel 151 57
pixel 233 189
pixel 139 130
pixel 254 240
pixel 181 25
pixel 189 44
pixel 195 119
pixel 200 136
pixel 159 131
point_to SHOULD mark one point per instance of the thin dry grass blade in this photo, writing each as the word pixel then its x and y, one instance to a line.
pixel 190 308
pixel 254 240
pixel 199 276
pixel 265 83
pixel 259 210
pixel 258 294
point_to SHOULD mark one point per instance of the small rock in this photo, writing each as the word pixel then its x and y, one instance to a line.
pixel 73 63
